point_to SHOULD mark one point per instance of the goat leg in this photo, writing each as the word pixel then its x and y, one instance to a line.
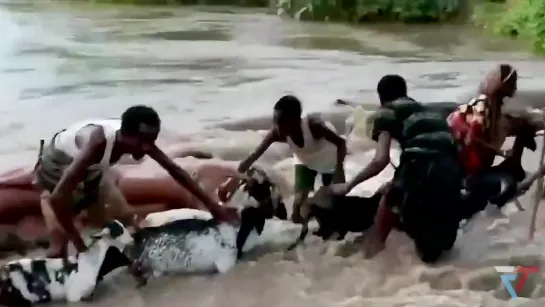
pixel 302 236
pixel 140 273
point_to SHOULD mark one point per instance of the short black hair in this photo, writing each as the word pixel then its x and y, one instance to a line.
pixel 136 115
pixel 289 105
pixel 391 87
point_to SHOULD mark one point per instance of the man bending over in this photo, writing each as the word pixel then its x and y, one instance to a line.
pixel 72 174
pixel 317 149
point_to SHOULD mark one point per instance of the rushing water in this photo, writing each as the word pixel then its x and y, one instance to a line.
pixel 60 63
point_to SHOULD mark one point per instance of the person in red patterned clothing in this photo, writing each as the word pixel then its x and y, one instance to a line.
pixel 481 129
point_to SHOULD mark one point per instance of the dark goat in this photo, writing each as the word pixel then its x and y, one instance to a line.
pixel 259 186
pixel 486 187
pixel 347 214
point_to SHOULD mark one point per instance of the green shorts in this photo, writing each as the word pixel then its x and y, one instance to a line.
pixel 305 178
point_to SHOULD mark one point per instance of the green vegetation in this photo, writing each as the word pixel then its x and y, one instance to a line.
pixel 248 3
pixel 371 10
pixel 519 19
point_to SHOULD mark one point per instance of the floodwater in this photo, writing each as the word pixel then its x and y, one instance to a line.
pixel 199 67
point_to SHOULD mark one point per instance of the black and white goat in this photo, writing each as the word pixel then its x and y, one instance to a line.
pixel 192 241
pixel 26 281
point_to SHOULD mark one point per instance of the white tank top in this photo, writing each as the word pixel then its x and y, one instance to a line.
pixel 319 155
pixel 66 140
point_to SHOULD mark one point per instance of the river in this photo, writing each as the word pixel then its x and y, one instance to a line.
pixel 198 67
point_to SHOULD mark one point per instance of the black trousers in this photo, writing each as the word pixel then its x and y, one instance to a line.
pixel 426 194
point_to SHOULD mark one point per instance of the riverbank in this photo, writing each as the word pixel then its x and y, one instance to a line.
pixel 521 20
pixel 360 11
pixel 354 11
pixel 241 3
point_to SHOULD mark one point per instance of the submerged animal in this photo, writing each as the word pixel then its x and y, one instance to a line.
pixel 25 282
pixel 191 241
pixel 345 214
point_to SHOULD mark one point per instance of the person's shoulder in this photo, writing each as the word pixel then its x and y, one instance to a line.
pixel 273 136
pixel 316 122
pixel 403 101
pixel 318 126
pixel 383 114
pixel 405 106
pixel 96 133
pixel 315 119
pixel 383 120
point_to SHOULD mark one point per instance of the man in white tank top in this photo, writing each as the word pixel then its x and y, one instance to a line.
pixel 72 173
pixel 317 149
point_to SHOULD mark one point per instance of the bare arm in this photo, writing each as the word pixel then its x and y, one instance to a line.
pixel 61 197
pixel 379 162
pixel 182 177
pixel 270 138
pixel 536 121
pixel 320 130
pixel 472 138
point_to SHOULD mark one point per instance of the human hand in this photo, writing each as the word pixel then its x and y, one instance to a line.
pixel 79 244
pixel 139 222
pixel 508 153
pixel 227 188
pixel 323 198
pixel 524 186
pixel 340 189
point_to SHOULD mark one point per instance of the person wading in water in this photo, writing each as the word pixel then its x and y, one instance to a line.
pixel 317 149
pixel 425 190
pixel 72 174
pixel 481 129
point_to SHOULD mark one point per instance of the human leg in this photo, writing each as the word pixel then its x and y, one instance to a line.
pixel 304 184
pixel 435 222
pixel 383 224
pixel 327 179
pixel 58 240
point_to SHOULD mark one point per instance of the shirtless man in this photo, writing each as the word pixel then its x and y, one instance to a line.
pixel 72 174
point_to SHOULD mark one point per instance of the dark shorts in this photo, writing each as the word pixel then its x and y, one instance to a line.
pixel 49 170
pixel 305 178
